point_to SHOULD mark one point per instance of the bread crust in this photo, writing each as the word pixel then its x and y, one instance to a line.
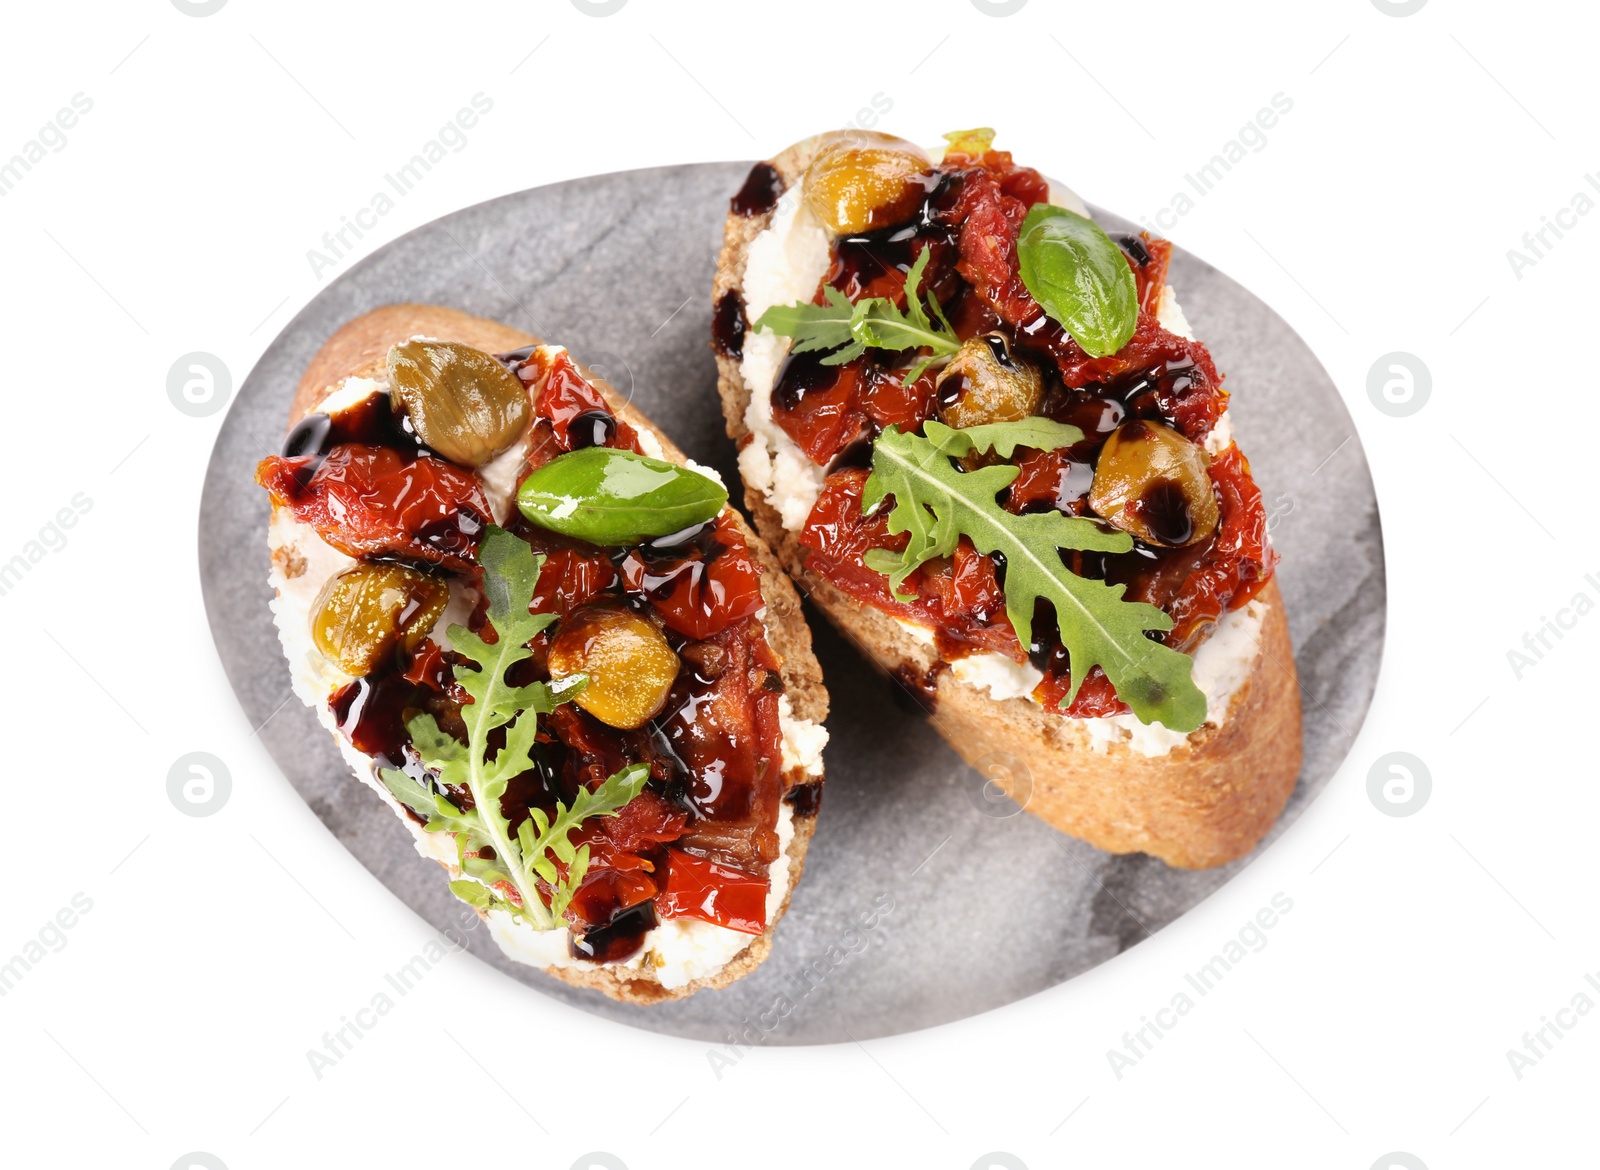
pixel 359 349
pixel 1206 803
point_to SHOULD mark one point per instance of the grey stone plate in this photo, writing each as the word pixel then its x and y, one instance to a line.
pixel 923 901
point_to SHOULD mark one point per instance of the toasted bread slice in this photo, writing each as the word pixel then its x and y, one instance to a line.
pixel 358 349
pixel 1206 802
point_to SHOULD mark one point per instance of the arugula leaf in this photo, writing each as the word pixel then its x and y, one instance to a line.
pixel 1078 276
pixel 510 573
pixel 542 837
pixel 937 504
pixel 1042 434
pixel 472 893
pixel 873 322
pixel 817 327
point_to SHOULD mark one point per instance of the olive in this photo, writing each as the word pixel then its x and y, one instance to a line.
pixel 1151 482
pixel 859 180
pixel 363 615
pixel 985 383
pixel 630 666
pixel 462 402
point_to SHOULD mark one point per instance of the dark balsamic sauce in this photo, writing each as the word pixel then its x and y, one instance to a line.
pixel 592 428
pixel 371 713
pixel 805 799
pixel 802 374
pixel 675 544
pixel 728 325
pixel 513 359
pixel 858 454
pixel 1155 393
pixel 1001 349
pixel 1164 510
pixel 951 389
pixel 670 559
pixel 309 436
pixel 916 692
pixel 1134 247
pixel 372 421
pixel 455 535
pixel 619 939
pixel 760 192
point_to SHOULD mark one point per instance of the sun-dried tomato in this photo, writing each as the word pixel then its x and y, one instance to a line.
pixel 367 500
pixel 701 586
pixel 697 887
pixel 819 405
pixel 566 394
pixel 959 598
pixel 1240 562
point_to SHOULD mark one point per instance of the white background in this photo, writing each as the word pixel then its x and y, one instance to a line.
pixel 177 217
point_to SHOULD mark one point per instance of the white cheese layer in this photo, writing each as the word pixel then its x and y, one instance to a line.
pixel 786 263
pixel 1170 314
pixel 803 740
pixel 678 951
pixel 1222 663
pixel 1001 676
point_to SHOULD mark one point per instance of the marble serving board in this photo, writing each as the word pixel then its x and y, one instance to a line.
pixel 924 899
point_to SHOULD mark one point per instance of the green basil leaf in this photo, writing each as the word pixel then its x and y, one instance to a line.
pixel 1079 277
pixel 612 497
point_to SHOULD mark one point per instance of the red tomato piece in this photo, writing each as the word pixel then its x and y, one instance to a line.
pixel 605 893
pixel 569 578
pixel 889 402
pixel 1041 479
pixel 370 501
pixel 959 598
pixel 720 894
pixel 428 667
pixel 566 394
pixel 643 823
pixel 1240 562
pixel 713 584
pixel 1095 699
pixel 817 403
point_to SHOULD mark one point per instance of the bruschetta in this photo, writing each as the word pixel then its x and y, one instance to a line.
pixel 979 433
pixel 541 637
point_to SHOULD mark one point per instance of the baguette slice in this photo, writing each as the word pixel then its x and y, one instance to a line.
pixel 358 349
pixel 1207 802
